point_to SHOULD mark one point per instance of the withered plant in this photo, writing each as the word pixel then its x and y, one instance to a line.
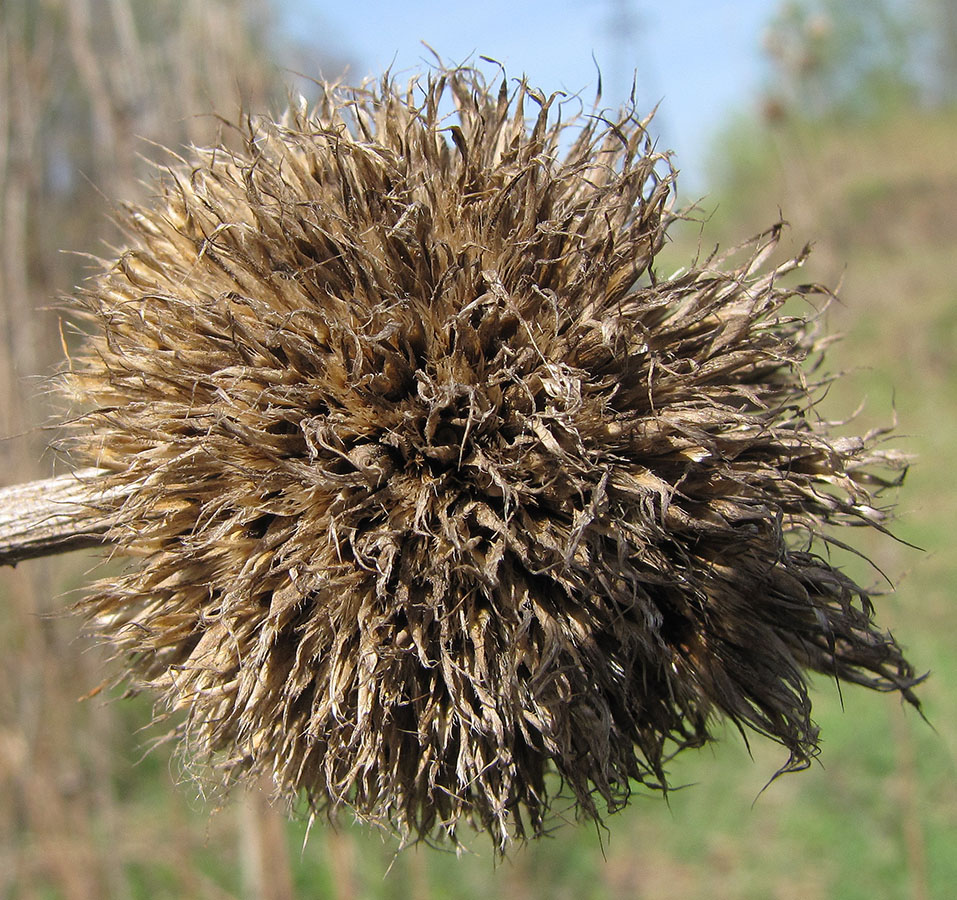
pixel 442 502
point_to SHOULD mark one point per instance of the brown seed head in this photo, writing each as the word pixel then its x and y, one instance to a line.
pixel 437 489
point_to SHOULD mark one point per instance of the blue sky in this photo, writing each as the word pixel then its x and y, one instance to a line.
pixel 700 58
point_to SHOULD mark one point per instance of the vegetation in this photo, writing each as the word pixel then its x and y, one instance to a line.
pixel 86 813
pixel 437 490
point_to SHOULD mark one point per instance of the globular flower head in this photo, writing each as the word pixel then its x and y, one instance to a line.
pixel 435 487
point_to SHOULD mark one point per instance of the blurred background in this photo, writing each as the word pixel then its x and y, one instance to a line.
pixel 839 115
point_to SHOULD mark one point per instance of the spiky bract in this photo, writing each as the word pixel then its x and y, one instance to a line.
pixel 436 489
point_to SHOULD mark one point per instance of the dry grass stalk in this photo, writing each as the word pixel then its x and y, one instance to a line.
pixel 435 489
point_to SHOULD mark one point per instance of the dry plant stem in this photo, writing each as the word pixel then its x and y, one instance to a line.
pixel 55 515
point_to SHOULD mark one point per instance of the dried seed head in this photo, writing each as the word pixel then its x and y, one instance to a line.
pixel 436 489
